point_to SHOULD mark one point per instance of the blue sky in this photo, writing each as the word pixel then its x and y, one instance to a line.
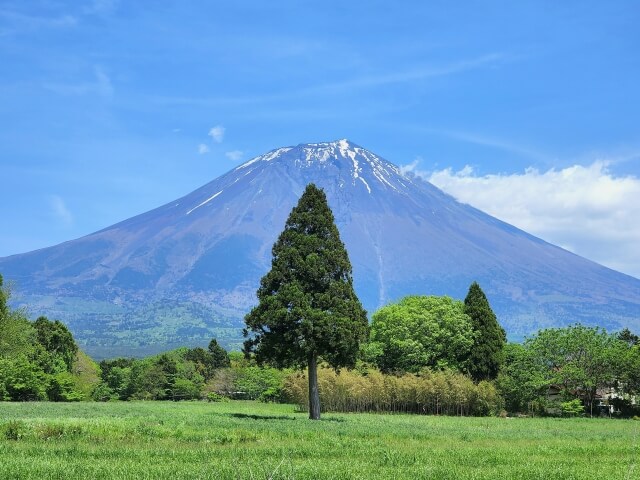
pixel 528 110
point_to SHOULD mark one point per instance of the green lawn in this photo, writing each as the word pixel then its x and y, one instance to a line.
pixel 239 440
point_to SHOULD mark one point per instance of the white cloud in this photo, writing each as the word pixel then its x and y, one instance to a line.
pixel 234 155
pixel 60 210
pixel 585 209
pixel 217 133
pixel 202 149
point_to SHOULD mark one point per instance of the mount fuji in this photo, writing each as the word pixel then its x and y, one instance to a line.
pixel 188 270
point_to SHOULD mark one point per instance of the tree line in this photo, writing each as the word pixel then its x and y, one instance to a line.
pixel 407 366
pixel 423 354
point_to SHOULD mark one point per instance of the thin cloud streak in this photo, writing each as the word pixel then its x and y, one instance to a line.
pixel 101 85
pixel 343 86
pixel 22 23
pixel 60 210
pixel 492 142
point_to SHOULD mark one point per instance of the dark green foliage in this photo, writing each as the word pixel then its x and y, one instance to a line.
pixel 523 381
pixel 628 337
pixel 486 356
pixel 202 361
pixel 307 306
pixel 419 332
pixel 208 361
pixel 57 342
pixel 116 380
pixel 219 356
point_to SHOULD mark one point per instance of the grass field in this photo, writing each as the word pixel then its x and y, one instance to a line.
pixel 249 440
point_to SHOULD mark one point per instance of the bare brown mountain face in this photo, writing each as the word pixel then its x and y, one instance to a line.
pixel 188 270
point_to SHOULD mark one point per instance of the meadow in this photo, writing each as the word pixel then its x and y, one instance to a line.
pixel 252 440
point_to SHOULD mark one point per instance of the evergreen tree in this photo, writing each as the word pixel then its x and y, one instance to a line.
pixel 307 306
pixel 486 354
pixel 625 335
pixel 219 356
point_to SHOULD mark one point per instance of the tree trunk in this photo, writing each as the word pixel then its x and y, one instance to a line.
pixel 314 396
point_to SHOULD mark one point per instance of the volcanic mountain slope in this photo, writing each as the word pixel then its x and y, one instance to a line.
pixel 189 270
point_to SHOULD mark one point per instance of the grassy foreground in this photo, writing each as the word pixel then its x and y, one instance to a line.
pixel 239 440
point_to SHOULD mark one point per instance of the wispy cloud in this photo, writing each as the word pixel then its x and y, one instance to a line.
pixel 349 84
pixel 203 148
pixel 234 155
pixel 13 22
pixel 100 85
pixel 585 209
pixel 60 210
pixel 217 133
pixel 412 75
pixel 100 7
pixel 489 141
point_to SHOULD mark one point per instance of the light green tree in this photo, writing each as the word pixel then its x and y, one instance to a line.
pixel 419 332
pixel 580 359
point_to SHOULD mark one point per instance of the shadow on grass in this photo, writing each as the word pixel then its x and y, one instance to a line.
pixel 277 417
pixel 261 417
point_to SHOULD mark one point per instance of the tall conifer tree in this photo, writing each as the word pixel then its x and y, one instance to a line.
pixel 307 306
pixel 486 354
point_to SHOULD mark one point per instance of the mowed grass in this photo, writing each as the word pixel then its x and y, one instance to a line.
pixel 251 440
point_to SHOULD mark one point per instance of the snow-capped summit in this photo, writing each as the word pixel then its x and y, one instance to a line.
pixel 340 157
pixel 189 270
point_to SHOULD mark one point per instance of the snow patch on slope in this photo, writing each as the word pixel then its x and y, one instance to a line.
pixel 267 157
pixel 205 202
pixel 365 184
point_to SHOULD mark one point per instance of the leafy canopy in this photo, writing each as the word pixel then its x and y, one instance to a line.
pixel 419 332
